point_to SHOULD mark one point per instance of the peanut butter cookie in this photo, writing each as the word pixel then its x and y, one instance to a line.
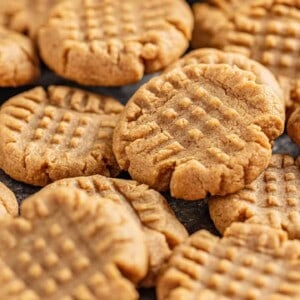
pixel 8 202
pixel 37 12
pixel 19 64
pixel 201 129
pixel 266 31
pixel 67 247
pixel 215 56
pixel 114 42
pixel 272 199
pixel 56 133
pixel 250 262
pixel 161 228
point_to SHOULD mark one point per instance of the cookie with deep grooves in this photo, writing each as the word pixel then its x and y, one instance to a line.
pixel 266 31
pixel 55 133
pixel 199 129
pixel 215 56
pixel 114 42
pixel 250 262
pixel 8 202
pixel 19 63
pixel 272 199
pixel 67 247
pixel 161 228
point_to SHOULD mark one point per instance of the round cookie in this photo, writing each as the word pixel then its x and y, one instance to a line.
pixel 57 133
pixel 8 202
pixel 199 129
pixel 272 199
pixel 161 228
pixel 266 31
pixel 19 64
pixel 67 247
pixel 250 262
pixel 114 42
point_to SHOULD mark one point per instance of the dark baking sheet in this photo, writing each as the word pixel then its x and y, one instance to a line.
pixel 193 214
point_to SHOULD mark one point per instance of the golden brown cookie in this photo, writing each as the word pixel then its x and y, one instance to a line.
pixel 250 262
pixel 37 12
pixel 229 6
pixel 13 15
pixel 57 133
pixel 114 42
pixel 272 199
pixel 8 202
pixel 212 17
pixel 68 247
pixel 161 228
pixel 209 20
pixel 215 56
pixel 266 31
pixel 293 125
pixel 199 129
pixel 19 64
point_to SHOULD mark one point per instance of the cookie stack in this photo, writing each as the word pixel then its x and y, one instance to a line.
pixel 203 129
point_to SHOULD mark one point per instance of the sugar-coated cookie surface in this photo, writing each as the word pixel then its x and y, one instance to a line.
pixel 19 63
pixel 266 31
pixel 8 202
pixel 272 199
pixel 67 247
pixel 250 262
pixel 199 129
pixel 58 132
pixel 161 228
pixel 114 42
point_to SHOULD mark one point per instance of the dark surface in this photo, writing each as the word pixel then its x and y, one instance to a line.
pixel 193 214
pixel 194 1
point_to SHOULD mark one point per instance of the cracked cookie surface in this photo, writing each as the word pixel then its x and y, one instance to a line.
pixel 67 247
pixel 57 133
pixel 110 43
pixel 215 56
pixel 272 199
pixel 150 209
pixel 199 129
pixel 19 63
pixel 266 31
pixel 247 263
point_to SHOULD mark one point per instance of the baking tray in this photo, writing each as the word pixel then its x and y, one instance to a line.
pixel 193 214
